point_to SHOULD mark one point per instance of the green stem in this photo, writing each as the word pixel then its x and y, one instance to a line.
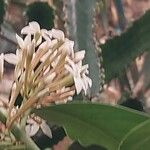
pixel 24 119
pixel 18 132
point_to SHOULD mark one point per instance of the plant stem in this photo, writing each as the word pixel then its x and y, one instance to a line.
pixel 24 119
pixel 18 132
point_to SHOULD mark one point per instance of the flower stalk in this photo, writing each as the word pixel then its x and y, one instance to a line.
pixel 19 134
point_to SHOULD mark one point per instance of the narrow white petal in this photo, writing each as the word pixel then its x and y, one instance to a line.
pixel 85 67
pixel 71 63
pixel 53 43
pixel 45 56
pixel 32 129
pixel 20 41
pixel 39 41
pixel 31 48
pixel 47 70
pixel 68 47
pixel 55 62
pixel 89 81
pixel 19 53
pixel 45 35
pixel 34 26
pixel 78 85
pixel 27 30
pixel 30 121
pixel 79 55
pixel 46 129
pixel 27 40
pixel 11 58
pixel 54 54
pixel 28 129
pixel 85 86
pixel 70 98
pixel 50 34
pixel 69 69
pixel 44 31
pixel 58 34
pixel 43 45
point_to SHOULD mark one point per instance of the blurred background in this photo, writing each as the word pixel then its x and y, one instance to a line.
pixel 110 18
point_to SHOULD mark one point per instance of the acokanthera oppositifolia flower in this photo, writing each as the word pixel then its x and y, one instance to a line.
pixel 47 70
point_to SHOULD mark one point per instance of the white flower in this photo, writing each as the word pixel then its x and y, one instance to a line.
pixel 79 74
pixel 1 65
pixel 26 44
pixel 34 29
pixel 87 82
pixel 47 35
pixel 33 127
pixel 78 56
pixel 68 47
pixel 46 129
pixel 13 58
pixel 45 56
pixel 57 34
pixel 45 62
pixel 23 44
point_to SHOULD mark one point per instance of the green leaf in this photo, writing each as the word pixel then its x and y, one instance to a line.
pixel 42 13
pixel 94 123
pixel 118 52
pixel 79 20
pixel 2 10
pixel 138 138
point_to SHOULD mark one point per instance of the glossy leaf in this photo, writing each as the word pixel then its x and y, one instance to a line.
pixel 120 51
pixel 94 123
pixel 138 138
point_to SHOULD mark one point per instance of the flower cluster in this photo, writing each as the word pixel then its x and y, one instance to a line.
pixel 47 70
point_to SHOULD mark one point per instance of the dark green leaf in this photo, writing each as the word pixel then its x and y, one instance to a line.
pixel 94 123
pixel 42 13
pixel 138 138
pixel 120 51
